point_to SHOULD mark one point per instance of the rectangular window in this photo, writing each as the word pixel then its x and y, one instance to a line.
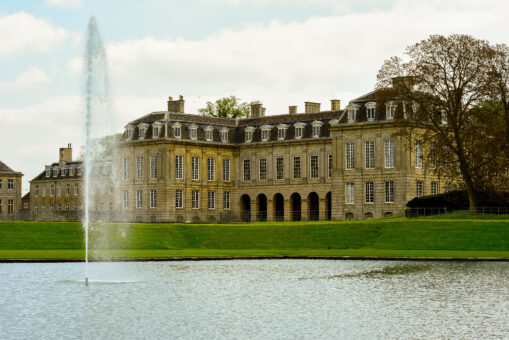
pixel 126 199
pixel 10 184
pixel 350 155
pixel 126 168
pixel 211 169
pixel 153 198
pixel 390 111
pixel 176 131
pixel 247 170
pixel 36 191
pixel 179 199
pixel 389 191
pixel 369 149
pixel 139 199
pixel 195 199
pixel 226 200
pixel 434 188
pixel 351 115
pixel 226 170
pixel 370 192
pixel 248 135
pixel 265 134
pixel 208 135
pixel 43 208
pixel 195 168
pixel 0 207
pixel 59 189
pixel 296 167
pixel 76 188
pixel 350 193
pixel 67 206
pixel 76 206
pixel 418 155
pixel 139 167
pixel 329 165
pixel 179 173
pixel 67 189
pixel 1 183
pixel 212 199
pixel 10 207
pixel 298 132
pixel 43 190
pixel 224 136
pixel 279 168
pixel 59 206
pixel 389 154
pixel 316 131
pixel 371 113
pixel 418 187
pixel 193 133
pixel 263 169
pixel 36 209
pixel 314 166
pixel 153 166
pixel 52 189
pixel 281 133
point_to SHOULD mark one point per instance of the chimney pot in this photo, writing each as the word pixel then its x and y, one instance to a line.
pixel 292 109
pixel 257 110
pixel 311 107
pixel 335 104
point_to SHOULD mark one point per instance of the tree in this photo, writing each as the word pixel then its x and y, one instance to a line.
pixel 441 83
pixel 227 107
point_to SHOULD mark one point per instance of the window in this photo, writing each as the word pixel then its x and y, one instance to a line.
pixel 279 168
pixel 10 207
pixel 59 189
pixel 370 111
pixel 390 111
pixel 51 206
pixel 55 173
pixel 43 208
pixel 370 192
pixel 52 189
pixel 179 174
pixel 389 191
pixel 43 190
pixel 193 132
pixel 139 199
pixel 129 133
pixel 389 154
pixel 265 134
pixel 209 134
pixel 418 187
pixel 48 173
pixel 418 155
pixel 351 115
pixel 350 193
pixel 195 199
pixel 195 168
pixel 211 169
pixel 298 132
pixel 314 166
pixel 350 155
pixel 247 170
pixel 142 131
pixel 248 135
pixel 224 135
pixel 36 191
pixel 126 168
pixel 139 167
pixel 226 170
pixel 226 200
pixel 79 171
pixel 296 167
pixel 75 188
pixel 64 172
pixel 179 202
pixel 153 167
pixel 155 131
pixel 153 198
pixel 36 209
pixel 25 206
pixel 0 207
pixel 59 206
pixel 126 199
pixel 67 206
pixel 281 133
pixel 434 188
pixel 71 172
pixel 262 169
pixel 67 189
pixel 369 149
pixel 177 132
pixel 211 199
pixel 329 165
pixel 316 130
pixel 10 184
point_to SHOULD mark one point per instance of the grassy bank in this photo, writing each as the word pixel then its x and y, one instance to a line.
pixel 398 237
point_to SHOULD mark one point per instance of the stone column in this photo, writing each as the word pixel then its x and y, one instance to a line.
pixel 270 211
pixel 304 209
pixel 287 210
pixel 322 209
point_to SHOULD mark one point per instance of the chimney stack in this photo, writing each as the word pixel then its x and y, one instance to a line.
pixel 292 110
pixel 311 107
pixel 335 105
pixel 176 105
pixel 65 154
pixel 257 110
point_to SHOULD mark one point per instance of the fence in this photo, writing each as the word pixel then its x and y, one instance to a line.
pixel 481 211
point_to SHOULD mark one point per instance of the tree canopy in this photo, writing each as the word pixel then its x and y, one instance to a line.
pixel 227 107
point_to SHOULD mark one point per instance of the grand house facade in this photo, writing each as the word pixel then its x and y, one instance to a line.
pixel 316 165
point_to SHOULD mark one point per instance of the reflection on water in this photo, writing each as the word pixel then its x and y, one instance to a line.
pixel 256 299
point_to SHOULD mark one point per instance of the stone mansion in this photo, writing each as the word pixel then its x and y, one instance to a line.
pixel 314 165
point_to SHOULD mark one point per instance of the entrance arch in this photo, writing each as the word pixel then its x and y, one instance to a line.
pixel 262 208
pixel 314 206
pixel 295 200
pixel 328 199
pixel 245 211
pixel 279 207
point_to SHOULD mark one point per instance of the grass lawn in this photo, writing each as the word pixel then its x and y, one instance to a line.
pixel 448 236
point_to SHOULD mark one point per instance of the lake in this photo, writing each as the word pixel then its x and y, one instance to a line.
pixel 255 299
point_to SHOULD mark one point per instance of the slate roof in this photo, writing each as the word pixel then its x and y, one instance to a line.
pixel 4 169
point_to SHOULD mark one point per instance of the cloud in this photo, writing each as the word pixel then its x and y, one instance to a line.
pixel 22 31
pixel 32 76
pixel 65 3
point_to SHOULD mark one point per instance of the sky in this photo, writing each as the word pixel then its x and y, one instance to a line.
pixel 281 52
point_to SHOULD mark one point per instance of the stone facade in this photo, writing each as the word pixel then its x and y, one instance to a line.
pixel 10 192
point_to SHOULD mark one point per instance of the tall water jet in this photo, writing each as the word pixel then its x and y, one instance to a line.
pixel 97 105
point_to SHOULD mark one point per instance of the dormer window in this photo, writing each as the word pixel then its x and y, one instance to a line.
pixel 79 171
pixel 177 132
pixel 370 111
pixel 281 131
pixel 352 112
pixel 48 173
pixel 317 125
pixel 71 172
pixel 224 135
pixel 64 172
pixel 156 128
pixel 390 110
pixel 142 129
pixel 266 132
pixel 129 131
pixel 248 134
pixel 193 132
pixel 209 133
pixel 299 130
pixel 55 173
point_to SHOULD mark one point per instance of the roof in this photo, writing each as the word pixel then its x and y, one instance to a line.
pixel 4 169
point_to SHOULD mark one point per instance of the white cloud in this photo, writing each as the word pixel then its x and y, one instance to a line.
pixel 65 3
pixel 22 31
pixel 32 76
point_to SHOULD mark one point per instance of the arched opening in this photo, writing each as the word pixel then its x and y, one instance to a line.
pixel 314 205
pixel 245 202
pixel 349 216
pixel 262 208
pixel 388 214
pixel 296 206
pixel 279 207
pixel 368 215
pixel 328 199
